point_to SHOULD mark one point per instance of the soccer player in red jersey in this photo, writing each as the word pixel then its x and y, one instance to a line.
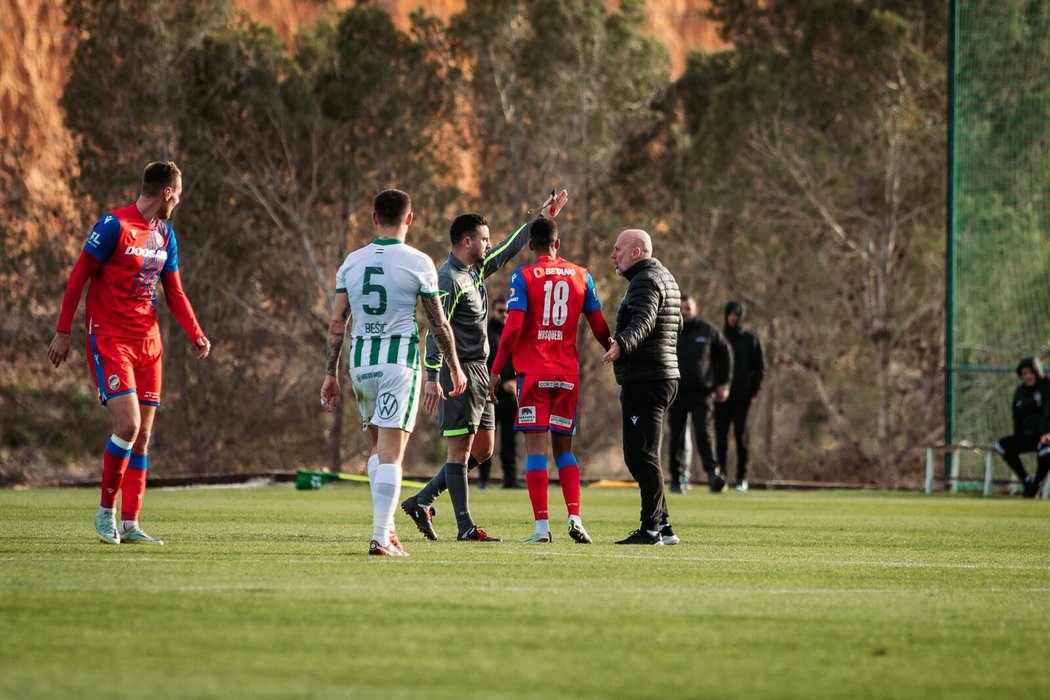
pixel 128 251
pixel 546 300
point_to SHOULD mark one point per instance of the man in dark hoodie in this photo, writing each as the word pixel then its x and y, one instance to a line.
pixel 1031 414
pixel 748 371
pixel 706 363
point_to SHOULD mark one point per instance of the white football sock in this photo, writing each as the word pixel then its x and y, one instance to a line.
pixel 126 525
pixel 386 490
pixel 576 519
pixel 543 527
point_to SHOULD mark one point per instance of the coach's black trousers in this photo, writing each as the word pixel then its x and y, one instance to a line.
pixel 700 404
pixel 644 405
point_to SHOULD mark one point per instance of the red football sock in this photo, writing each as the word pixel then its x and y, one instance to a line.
pixel 570 487
pixel 114 462
pixel 538 481
pixel 133 488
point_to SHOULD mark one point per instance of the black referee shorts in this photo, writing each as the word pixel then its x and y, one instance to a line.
pixel 472 410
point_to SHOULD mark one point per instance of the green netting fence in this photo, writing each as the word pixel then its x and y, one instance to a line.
pixel 998 286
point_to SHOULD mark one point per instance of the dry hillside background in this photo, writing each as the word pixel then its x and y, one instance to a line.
pixel 35 48
pixel 39 157
pixel 817 197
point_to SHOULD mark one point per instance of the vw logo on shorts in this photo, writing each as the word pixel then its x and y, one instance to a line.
pixel 114 382
pixel 386 406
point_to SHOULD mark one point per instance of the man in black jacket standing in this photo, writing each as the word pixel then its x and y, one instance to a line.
pixel 645 361
pixel 706 363
pixel 1031 417
pixel 748 371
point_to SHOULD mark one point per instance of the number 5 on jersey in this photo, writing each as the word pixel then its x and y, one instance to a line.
pixel 369 288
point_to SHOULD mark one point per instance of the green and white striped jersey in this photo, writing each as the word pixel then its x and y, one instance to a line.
pixel 382 281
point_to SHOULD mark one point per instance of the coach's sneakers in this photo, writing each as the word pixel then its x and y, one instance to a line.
pixel 1030 487
pixel 476 534
pixel 667 535
pixel 385 550
pixel 133 534
pixel 741 486
pixel 715 481
pixel 537 538
pixel 106 526
pixel 642 536
pixel 578 534
pixel 421 516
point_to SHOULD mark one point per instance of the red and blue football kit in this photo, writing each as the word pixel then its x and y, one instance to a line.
pixel 124 258
pixel 546 300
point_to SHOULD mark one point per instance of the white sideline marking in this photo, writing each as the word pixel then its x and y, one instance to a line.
pixel 327 589
pixel 814 562
pixel 347 558
pixel 255 483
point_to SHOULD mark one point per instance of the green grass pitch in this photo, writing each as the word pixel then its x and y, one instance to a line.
pixel 268 593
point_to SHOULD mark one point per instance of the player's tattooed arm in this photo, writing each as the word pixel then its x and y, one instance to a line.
pixel 442 332
pixel 331 394
pixel 336 336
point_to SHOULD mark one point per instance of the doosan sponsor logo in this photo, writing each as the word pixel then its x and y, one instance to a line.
pixel 146 252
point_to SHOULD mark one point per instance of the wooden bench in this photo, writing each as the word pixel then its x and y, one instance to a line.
pixel 952 451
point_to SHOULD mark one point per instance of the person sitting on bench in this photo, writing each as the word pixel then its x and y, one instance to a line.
pixel 1031 414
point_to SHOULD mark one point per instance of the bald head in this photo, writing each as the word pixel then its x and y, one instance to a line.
pixel 632 245
pixel 637 238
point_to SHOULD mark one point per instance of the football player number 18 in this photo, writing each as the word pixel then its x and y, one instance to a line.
pixel 370 288
pixel 555 302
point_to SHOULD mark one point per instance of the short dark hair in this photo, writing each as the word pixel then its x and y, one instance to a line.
pixel 391 207
pixel 158 175
pixel 543 232
pixel 687 297
pixel 465 225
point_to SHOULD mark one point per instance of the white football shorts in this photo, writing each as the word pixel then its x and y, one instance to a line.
pixel 388 395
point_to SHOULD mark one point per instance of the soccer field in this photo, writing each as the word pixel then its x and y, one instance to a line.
pixel 268 592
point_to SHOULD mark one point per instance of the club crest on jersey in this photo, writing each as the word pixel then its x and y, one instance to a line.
pixel 113 382
pixel 538 272
pixel 526 414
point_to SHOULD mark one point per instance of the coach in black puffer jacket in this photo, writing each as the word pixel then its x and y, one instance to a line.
pixel 647 324
pixel 645 357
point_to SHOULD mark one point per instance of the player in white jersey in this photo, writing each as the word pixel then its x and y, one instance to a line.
pixel 378 286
